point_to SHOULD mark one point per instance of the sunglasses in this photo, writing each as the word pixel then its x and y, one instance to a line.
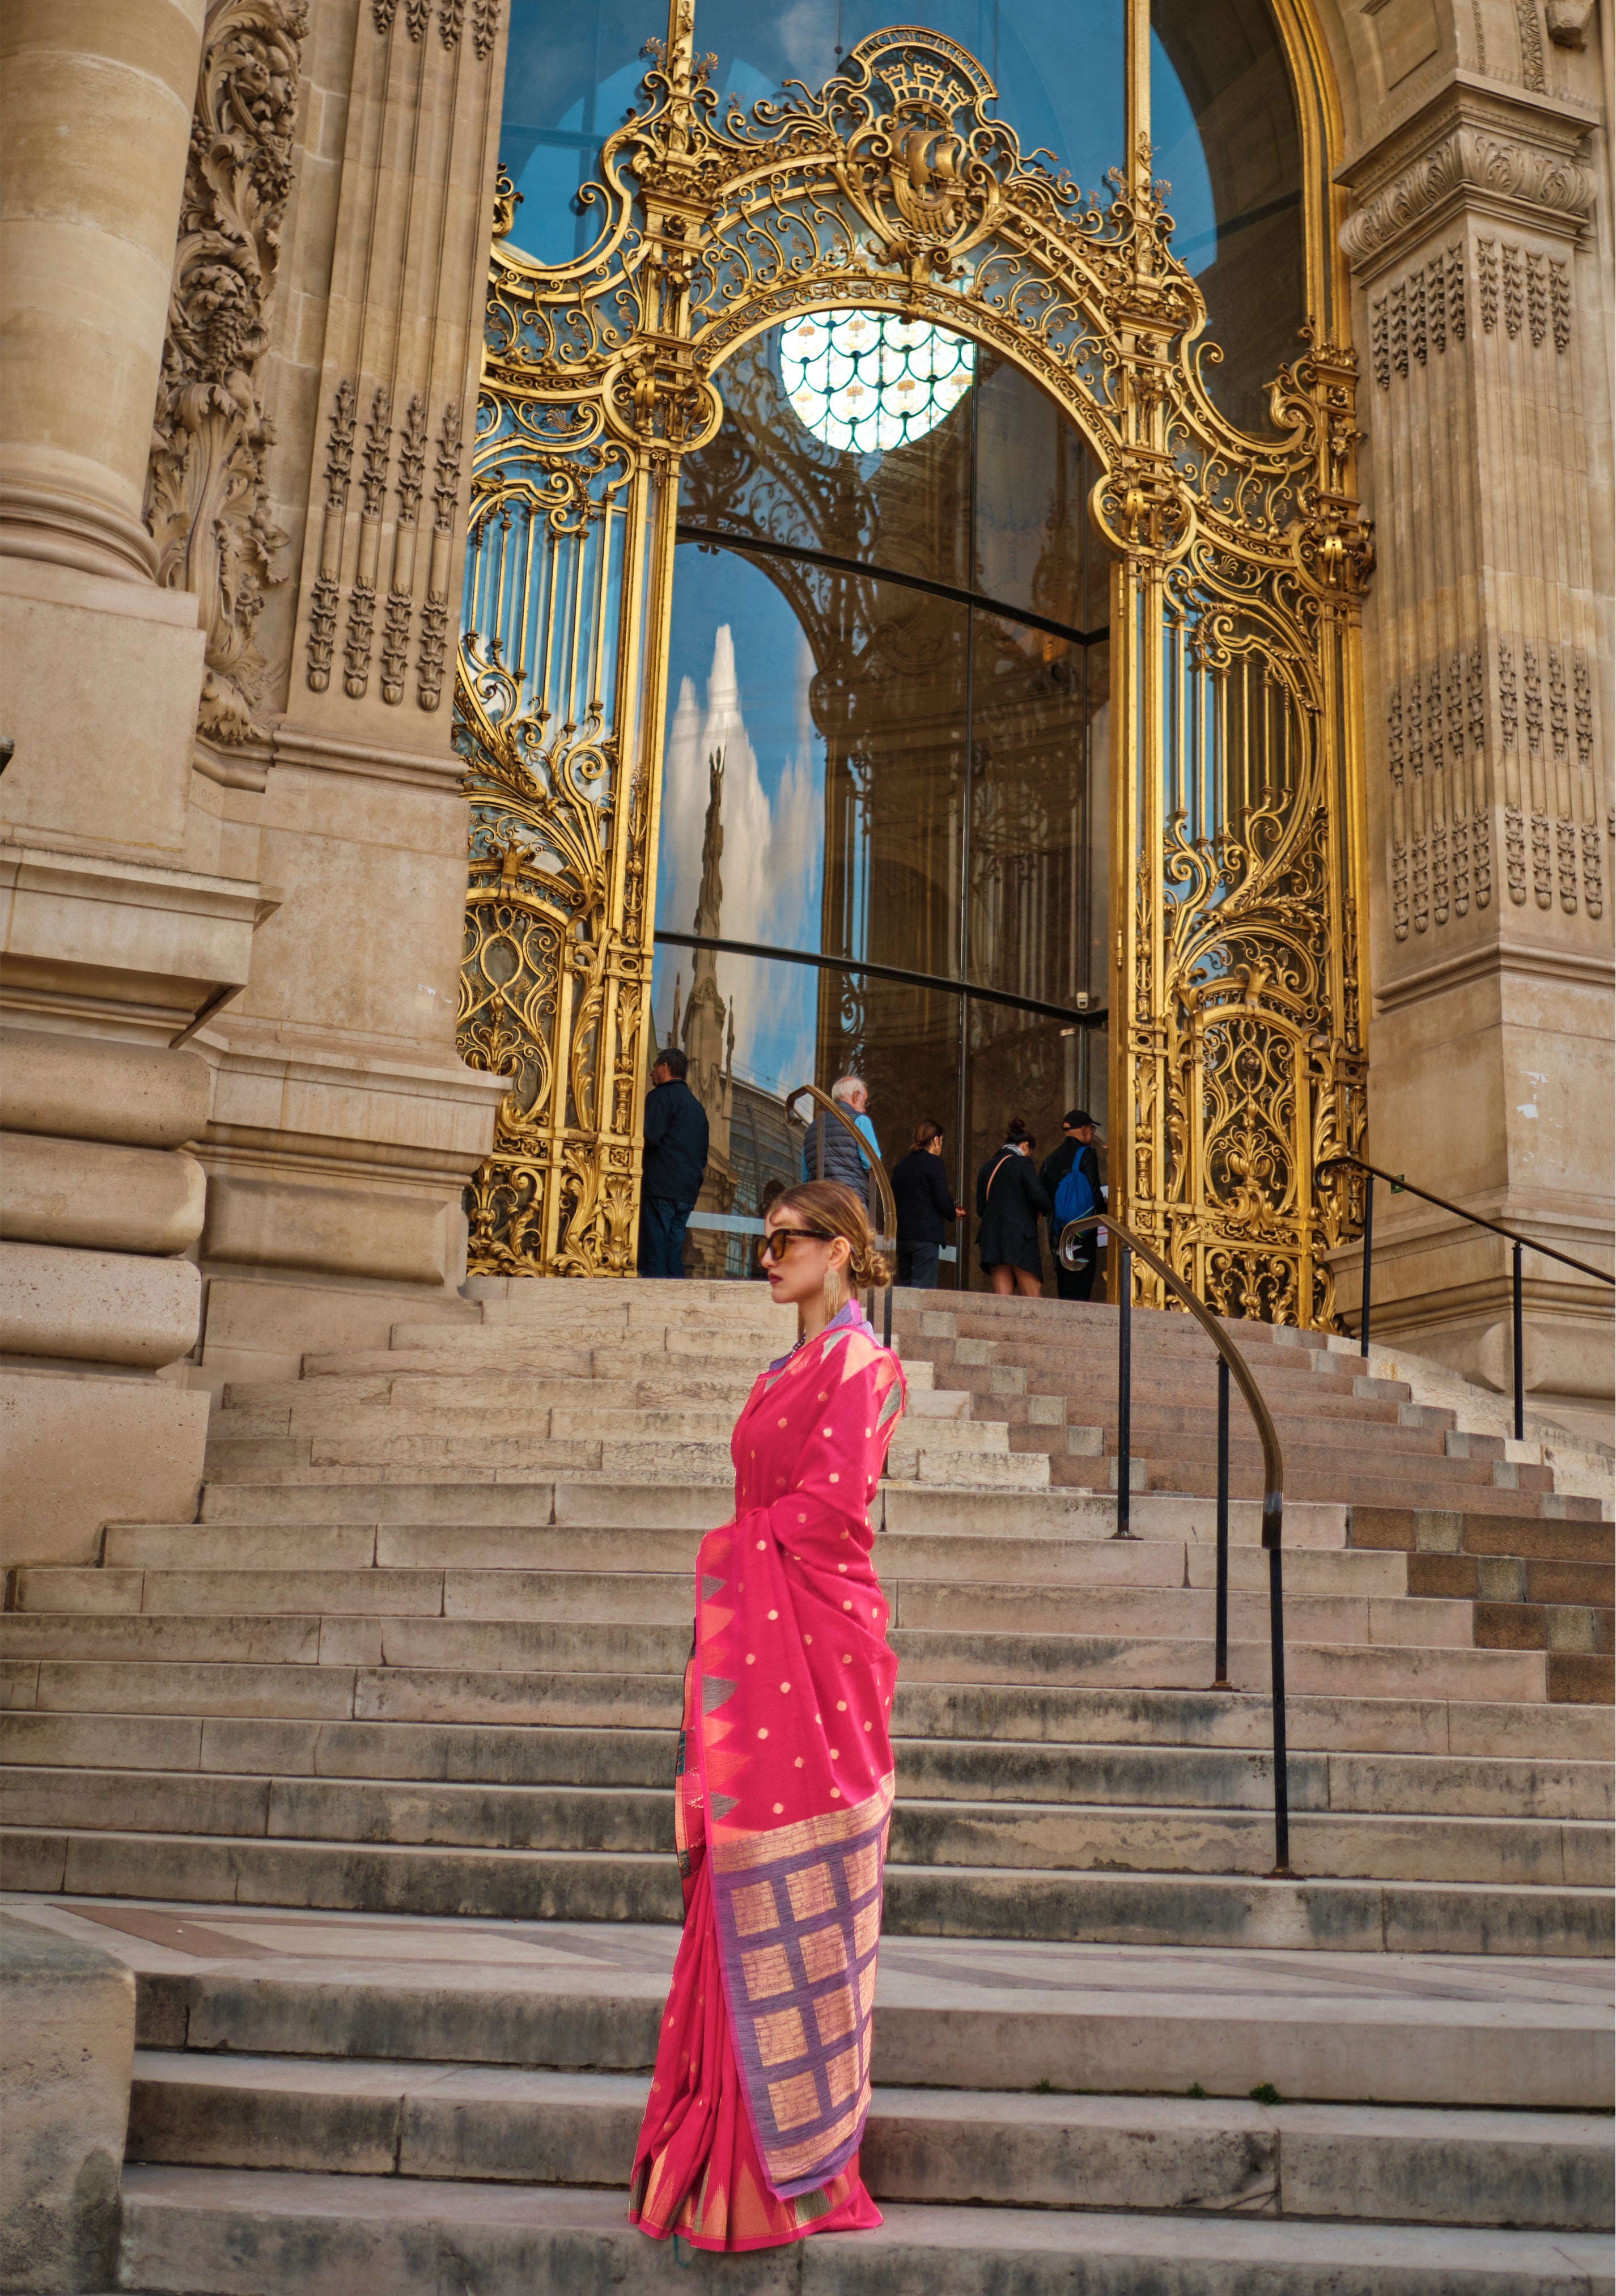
pixel 775 1240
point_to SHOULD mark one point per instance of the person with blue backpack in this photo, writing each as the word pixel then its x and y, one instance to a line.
pixel 1071 1181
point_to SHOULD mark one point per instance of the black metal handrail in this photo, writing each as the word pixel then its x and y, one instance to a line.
pixel 1518 1243
pixel 1229 1360
pixel 888 1238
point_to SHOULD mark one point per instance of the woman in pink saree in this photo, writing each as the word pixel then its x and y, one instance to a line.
pixel 762 2081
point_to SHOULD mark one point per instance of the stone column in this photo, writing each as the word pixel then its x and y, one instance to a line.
pixel 344 1125
pixel 113 937
pixel 90 172
pixel 1481 257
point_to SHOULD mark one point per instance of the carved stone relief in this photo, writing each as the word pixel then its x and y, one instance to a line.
pixel 207 497
pixel 1536 292
pixel 1416 319
pixel 1443 787
pixel 1550 802
pixel 1532 73
pixel 1547 187
pixel 451 21
pixel 435 611
pixel 409 486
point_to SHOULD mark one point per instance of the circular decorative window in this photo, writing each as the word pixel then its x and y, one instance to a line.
pixel 865 381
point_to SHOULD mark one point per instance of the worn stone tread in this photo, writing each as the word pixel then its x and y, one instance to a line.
pixel 230 2232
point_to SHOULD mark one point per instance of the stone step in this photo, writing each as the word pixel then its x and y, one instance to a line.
pixel 934 1456
pixel 1100 1606
pixel 236 2232
pixel 1097 1561
pixel 1035 1836
pixel 1196 1476
pixel 973 1712
pixel 944 1416
pixel 708 1340
pixel 672 1505
pixel 511 2125
pixel 1513 1579
pixel 1004 2015
pixel 1354 1913
pixel 1168 1429
pixel 993 1770
pixel 957 1655
pixel 1459 1532
pixel 685 1374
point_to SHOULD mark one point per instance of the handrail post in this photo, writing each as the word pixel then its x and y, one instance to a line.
pixel 1276 1680
pixel 1124 1390
pixel 1220 1668
pixel 1362 1313
pixel 1520 1351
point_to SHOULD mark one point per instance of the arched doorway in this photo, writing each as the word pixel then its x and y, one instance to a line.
pixel 889 688
pixel 645 404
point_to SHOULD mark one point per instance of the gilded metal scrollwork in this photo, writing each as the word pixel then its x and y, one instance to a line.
pixel 1237 1040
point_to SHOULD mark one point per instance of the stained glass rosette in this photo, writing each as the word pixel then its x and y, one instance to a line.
pixel 864 381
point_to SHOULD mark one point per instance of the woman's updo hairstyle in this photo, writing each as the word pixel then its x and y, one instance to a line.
pixel 925 1132
pixel 826 1208
pixel 1016 1133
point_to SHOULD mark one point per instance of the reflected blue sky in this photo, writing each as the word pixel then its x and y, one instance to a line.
pixel 574 71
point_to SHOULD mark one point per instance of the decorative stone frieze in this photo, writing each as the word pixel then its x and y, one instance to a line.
pixel 451 22
pixel 206 497
pixel 1473 151
pixel 401 364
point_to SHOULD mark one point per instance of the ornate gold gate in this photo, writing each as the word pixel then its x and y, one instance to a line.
pixel 1237 1050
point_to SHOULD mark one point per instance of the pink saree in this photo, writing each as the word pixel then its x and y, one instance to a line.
pixel 762 2086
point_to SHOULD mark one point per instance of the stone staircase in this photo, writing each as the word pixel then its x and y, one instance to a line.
pixel 411 1679
pixel 1519 1530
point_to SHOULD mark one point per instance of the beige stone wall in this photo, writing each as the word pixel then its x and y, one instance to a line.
pixel 344 1125
pixel 1479 240
pixel 213 216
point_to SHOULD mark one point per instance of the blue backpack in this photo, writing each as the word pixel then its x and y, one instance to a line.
pixel 1074 1195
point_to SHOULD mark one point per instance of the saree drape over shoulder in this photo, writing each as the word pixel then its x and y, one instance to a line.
pixel 761 2085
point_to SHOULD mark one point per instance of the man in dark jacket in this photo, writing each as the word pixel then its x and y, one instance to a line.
pixel 1076 1147
pixel 676 1159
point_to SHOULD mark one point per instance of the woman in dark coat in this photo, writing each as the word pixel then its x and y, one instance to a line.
pixel 926 1208
pixel 1010 1202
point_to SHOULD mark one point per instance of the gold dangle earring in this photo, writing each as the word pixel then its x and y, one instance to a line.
pixel 834 1301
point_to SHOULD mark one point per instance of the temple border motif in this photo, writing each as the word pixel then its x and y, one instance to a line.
pixel 1238 1008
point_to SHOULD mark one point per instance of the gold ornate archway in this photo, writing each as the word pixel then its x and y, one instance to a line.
pixel 1237 1051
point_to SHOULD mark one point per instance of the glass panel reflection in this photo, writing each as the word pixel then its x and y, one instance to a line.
pixel 901 768
pixel 1225 129
pixel 571 76
pixel 768 475
pixel 573 73
pixel 1057 64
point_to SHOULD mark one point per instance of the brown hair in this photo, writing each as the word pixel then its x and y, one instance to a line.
pixel 925 1133
pixel 826 1208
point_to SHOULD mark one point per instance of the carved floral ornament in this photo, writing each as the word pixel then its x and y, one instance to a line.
pixel 893 189
pixel 207 499
pixel 417 17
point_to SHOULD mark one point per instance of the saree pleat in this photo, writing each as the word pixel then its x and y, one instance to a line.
pixel 697 2172
pixel 761 2089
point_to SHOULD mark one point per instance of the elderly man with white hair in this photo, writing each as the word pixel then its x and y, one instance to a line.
pixel 829 1141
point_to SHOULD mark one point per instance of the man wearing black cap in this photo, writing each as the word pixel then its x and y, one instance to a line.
pixel 1075 1157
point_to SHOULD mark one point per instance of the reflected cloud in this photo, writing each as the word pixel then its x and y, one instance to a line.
pixel 772 811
